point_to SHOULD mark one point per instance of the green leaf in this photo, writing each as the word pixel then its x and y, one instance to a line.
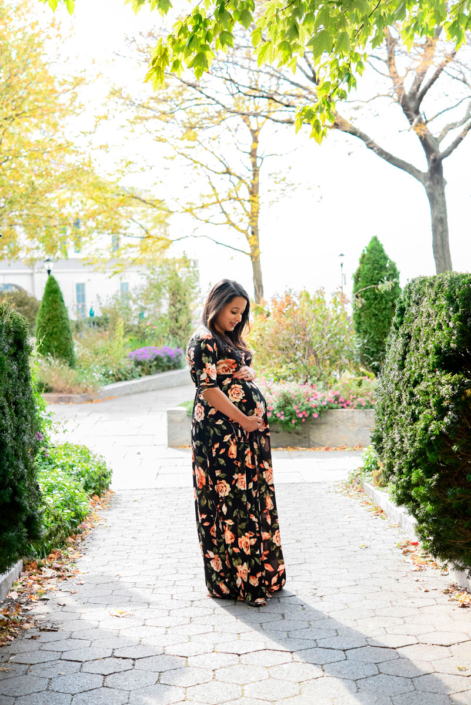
pixel 246 18
pixel 226 39
pixel 263 52
pixel 200 63
pixel 320 43
pixel 323 18
pixel 342 42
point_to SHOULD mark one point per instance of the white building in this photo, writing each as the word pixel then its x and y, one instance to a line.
pixel 83 287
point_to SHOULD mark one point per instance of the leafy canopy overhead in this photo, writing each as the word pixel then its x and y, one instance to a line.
pixel 339 33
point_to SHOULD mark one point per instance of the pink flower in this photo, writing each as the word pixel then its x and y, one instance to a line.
pixel 293 421
pixel 315 415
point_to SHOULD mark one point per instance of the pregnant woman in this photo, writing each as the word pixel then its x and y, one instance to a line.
pixel 236 514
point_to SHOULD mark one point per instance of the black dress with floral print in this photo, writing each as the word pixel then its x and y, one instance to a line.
pixel 235 504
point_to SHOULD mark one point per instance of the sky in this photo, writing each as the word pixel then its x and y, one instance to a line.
pixel 342 196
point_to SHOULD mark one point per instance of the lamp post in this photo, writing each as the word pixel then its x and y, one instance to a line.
pixel 48 265
pixel 342 275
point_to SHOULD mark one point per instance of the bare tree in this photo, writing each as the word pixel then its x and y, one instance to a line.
pixel 431 84
pixel 216 130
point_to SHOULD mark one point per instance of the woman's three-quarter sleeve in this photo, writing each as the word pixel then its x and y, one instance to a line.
pixel 205 363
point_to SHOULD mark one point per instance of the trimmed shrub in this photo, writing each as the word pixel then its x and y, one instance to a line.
pixel 53 330
pixel 20 498
pixel 374 307
pixel 25 304
pixel 423 412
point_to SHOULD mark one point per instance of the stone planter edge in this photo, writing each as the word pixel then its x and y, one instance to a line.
pixel 354 424
pixel 8 578
pixel 407 523
pixel 151 383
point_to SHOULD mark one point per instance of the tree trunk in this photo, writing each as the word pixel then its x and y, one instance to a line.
pixel 257 277
pixel 435 188
pixel 254 232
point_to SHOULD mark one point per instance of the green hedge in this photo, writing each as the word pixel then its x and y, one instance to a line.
pixel 20 498
pixel 423 412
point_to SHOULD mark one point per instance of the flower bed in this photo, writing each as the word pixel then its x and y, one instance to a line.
pixel 151 359
pixel 290 404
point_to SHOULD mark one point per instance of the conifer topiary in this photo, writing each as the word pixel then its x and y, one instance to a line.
pixel 423 412
pixel 53 329
pixel 20 498
pixel 374 307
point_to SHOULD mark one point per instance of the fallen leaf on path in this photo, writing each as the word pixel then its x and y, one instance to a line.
pixel 119 613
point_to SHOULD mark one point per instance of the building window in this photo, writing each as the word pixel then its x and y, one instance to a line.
pixel 124 288
pixel 80 299
pixel 114 243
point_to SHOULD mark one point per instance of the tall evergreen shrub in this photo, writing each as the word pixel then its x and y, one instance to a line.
pixel 19 491
pixel 53 330
pixel 423 413
pixel 372 319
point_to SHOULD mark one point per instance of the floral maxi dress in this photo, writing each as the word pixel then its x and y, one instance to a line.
pixel 235 504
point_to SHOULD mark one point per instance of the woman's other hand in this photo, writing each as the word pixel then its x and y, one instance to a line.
pixel 245 372
pixel 251 423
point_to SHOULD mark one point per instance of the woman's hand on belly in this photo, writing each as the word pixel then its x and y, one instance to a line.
pixel 222 403
pixel 245 372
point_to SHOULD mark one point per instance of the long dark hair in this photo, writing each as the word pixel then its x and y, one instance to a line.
pixel 220 295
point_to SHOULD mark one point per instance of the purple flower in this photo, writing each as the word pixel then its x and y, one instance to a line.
pixel 39 436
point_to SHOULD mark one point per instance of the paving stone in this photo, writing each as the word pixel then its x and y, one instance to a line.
pixel 52 669
pixel 327 687
pixel 76 682
pixel 106 666
pixel 442 683
pixel 22 685
pixel 131 680
pixel 214 693
pixel 443 638
pixel 160 663
pixel 135 652
pixel 424 652
pixel 213 660
pixel 101 696
pixel 158 695
pixel 33 657
pixel 422 699
pixel 65 645
pixel 242 674
pixel 404 667
pixel 372 654
pixel 352 669
pixel 343 642
pixel 387 685
pixel 320 656
pixel 90 654
pixel 296 672
pixel 271 689
pixel 43 698
pixel 186 676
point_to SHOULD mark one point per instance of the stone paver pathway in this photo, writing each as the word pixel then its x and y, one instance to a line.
pixel 356 625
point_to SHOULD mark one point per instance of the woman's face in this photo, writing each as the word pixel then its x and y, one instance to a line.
pixel 231 314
